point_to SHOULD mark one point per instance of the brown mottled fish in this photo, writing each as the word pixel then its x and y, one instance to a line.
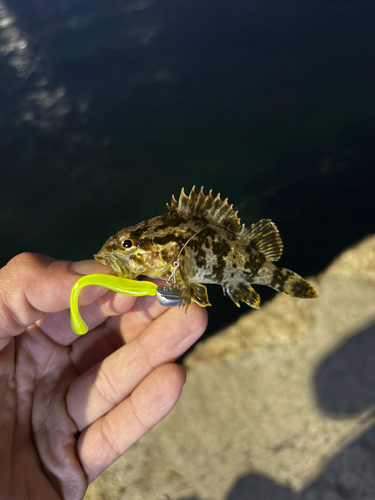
pixel 201 240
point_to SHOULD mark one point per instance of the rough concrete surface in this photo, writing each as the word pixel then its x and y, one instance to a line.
pixel 277 406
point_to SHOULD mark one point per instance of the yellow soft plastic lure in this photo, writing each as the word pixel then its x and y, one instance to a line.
pixel 167 296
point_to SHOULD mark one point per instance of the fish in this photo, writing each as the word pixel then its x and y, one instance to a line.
pixel 200 241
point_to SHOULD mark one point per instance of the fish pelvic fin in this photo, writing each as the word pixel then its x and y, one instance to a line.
pixel 289 282
pixel 199 294
pixel 242 292
pixel 195 292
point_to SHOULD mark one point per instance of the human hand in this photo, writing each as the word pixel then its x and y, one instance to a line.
pixel 70 406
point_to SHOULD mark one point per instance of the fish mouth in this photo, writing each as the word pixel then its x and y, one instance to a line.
pixel 108 259
pixel 101 258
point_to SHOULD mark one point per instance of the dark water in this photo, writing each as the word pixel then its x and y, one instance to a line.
pixel 107 108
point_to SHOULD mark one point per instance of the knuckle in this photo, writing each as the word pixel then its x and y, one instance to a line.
pixel 23 262
pixel 106 389
pixel 146 354
pixel 109 436
pixel 17 276
pixel 137 416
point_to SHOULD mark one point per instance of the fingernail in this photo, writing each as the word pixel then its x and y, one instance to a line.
pixel 89 267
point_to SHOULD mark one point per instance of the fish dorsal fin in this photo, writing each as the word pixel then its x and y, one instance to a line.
pixel 265 236
pixel 212 209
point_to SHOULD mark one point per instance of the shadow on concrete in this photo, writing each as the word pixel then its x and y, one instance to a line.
pixel 344 383
pixel 350 475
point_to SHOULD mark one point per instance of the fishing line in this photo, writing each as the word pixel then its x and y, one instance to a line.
pixel 176 264
pixel 274 188
pixel 326 166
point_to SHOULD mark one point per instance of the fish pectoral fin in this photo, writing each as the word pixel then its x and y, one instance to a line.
pixel 265 236
pixel 198 294
pixel 243 292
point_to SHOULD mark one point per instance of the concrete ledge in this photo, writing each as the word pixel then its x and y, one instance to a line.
pixel 250 403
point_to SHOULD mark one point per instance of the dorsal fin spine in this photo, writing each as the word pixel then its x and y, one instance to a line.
pixel 263 235
pixel 212 209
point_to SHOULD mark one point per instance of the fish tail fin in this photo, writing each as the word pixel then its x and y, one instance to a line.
pixel 289 282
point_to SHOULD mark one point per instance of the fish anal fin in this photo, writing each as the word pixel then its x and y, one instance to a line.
pixel 243 292
pixel 265 236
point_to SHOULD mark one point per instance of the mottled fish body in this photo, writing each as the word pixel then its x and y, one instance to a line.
pixel 200 241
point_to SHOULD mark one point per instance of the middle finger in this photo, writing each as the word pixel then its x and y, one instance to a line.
pixel 103 386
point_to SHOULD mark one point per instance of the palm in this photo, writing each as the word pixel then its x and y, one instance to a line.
pixel 40 372
pixel 71 406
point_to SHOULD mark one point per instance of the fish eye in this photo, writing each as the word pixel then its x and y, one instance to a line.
pixel 128 243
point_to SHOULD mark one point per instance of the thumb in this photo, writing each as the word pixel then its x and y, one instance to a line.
pixel 34 284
